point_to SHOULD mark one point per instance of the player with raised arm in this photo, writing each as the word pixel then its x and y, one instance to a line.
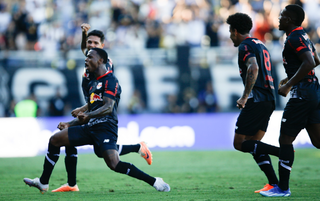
pixel 94 39
pixel 257 101
pixel 98 127
pixel 303 108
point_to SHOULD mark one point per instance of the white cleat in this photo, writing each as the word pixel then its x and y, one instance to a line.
pixel 160 185
pixel 36 183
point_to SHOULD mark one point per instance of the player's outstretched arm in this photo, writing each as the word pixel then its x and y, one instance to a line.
pixel 85 27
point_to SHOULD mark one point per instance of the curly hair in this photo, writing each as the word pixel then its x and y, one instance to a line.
pixel 241 22
pixel 296 13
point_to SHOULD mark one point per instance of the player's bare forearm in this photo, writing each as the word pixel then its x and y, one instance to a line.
pixel 252 74
pixel 76 111
pixel 74 122
pixel 85 27
pixel 316 57
pixel 84 42
pixel 106 109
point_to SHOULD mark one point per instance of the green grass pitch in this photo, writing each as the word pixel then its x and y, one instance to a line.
pixel 192 175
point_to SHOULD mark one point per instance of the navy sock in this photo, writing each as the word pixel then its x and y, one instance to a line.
pixel 132 171
pixel 286 159
pixel 125 149
pixel 256 147
pixel 49 163
pixel 71 165
pixel 265 165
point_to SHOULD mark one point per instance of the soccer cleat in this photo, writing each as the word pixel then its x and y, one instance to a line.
pixel 36 183
pixel 66 188
pixel 276 192
pixel 265 188
pixel 160 185
pixel 145 152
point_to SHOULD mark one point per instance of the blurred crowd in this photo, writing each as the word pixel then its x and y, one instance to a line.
pixel 54 25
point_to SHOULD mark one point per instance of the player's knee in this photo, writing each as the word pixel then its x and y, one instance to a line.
pixel 112 165
pixel 53 140
pixel 237 145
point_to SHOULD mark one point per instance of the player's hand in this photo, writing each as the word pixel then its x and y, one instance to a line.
pixel 75 112
pixel 63 125
pixel 284 90
pixel 85 27
pixel 83 117
pixel 241 102
pixel 283 82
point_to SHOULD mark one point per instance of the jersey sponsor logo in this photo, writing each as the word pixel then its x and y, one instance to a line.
pixel 106 141
pixel 99 85
pixel 95 97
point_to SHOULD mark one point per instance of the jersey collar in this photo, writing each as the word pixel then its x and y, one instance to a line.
pixel 296 29
pixel 108 72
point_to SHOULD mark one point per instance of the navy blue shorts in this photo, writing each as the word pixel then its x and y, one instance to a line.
pixel 101 136
pixel 254 117
pixel 297 114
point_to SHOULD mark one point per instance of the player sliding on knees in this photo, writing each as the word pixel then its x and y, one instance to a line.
pixel 90 40
pixel 97 127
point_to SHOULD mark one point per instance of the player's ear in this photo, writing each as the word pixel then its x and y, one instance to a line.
pixel 102 45
pixel 101 60
pixel 236 32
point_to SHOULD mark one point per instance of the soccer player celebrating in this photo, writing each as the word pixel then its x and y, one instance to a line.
pixel 257 101
pixel 97 127
pixel 302 109
pixel 94 39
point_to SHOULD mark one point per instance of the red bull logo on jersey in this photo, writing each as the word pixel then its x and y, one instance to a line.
pixel 99 85
pixel 95 97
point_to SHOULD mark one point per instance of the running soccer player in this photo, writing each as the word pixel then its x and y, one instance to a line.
pixel 97 127
pixel 94 39
pixel 257 101
pixel 303 108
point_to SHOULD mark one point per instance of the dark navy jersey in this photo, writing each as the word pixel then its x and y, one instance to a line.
pixel 106 85
pixel 297 43
pixel 87 77
pixel 263 89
